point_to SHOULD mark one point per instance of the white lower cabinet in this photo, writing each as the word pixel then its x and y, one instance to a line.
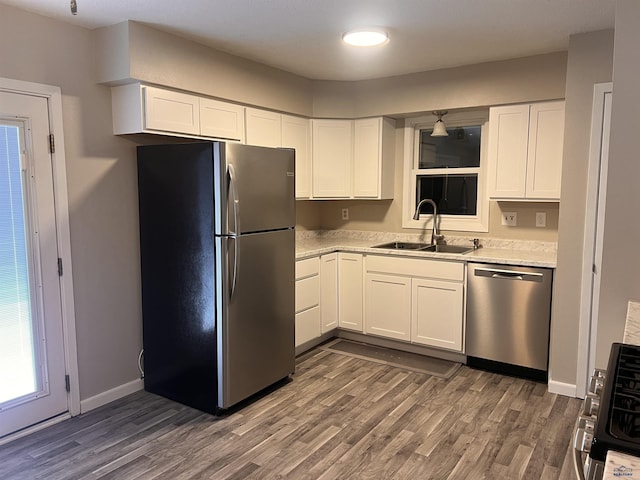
pixel 350 291
pixel 437 313
pixel 329 292
pixel 416 300
pixel 409 299
pixel 307 300
pixel 387 306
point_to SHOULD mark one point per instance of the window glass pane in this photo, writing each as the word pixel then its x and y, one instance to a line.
pixel 17 357
pixel 453 194
pixel 461 149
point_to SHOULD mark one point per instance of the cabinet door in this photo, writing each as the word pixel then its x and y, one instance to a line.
pixel 307 325
pixel 387 306
pixel 332 155
pixel 546 136
pixel 367 157
pixel 171 111
pixel 263 128
pixel 296 134
pixel 350 289
pixel 329 291
pixel 436 313
pixel 221 120
pixel 508 143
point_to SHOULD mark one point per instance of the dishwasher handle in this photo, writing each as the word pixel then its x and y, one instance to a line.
pixel 508 274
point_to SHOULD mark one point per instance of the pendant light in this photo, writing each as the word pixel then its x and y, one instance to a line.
pixel 439 128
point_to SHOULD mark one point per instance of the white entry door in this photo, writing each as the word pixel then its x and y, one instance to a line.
pixel 32 355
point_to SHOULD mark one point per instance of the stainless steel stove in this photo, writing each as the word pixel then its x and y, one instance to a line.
pixel 610 420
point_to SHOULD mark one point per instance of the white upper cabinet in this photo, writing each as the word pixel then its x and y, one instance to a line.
pixel 143 109
pixel 546 140
pixel 373 158
pixel 332 153
pixel 271 129
pixel 525 151
pixel 264 128
pixel 165 110
pixel 221 120
pixel 296 134
pixel 353 158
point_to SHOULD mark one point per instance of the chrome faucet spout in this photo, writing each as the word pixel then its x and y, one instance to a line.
pixel 435 236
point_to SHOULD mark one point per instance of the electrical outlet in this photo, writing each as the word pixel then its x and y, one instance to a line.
pixel 509 219
pixel 345 214
pixel 541 219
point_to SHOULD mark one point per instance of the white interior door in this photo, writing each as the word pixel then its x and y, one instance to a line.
pixel 32 356
pixel 594 231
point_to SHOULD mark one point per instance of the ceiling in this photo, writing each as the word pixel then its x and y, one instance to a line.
pixel 304 36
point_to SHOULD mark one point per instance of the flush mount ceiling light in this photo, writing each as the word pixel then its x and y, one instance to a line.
pixel 365 38
pixel 439 128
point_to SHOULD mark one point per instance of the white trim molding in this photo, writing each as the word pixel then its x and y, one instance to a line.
pixel 59 172
pixel 566 389
pixel 593 235
pixel 477 223
pixel 109 396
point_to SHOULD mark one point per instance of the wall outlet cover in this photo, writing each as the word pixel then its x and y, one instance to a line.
pixel 541 219
pixel 509 219
pixel 345 214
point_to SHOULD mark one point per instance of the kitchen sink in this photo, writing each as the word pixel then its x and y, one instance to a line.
pixel 403 246
pixel 425 247
pixel 447 249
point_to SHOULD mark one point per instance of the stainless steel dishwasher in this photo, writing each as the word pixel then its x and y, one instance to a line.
pixel 508 319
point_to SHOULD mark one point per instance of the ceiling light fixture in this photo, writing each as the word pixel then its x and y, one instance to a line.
pixel 439 128
pixel 365 38
pixel 73 5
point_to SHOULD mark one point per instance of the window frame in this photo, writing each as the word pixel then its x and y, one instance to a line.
pixel 467 223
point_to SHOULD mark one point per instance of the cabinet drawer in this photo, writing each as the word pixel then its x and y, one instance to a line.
pixel 307 293
pixel 307 267
pixel 415 267
pixel 307 325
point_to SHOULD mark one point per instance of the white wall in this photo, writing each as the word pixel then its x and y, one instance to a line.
pixel 101 176
pixel 590 61
pixel 620 280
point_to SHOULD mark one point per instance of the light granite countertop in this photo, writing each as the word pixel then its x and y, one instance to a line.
pixel 507 252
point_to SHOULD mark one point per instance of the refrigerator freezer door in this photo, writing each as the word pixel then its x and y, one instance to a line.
pixel 255 188
pixel 255 326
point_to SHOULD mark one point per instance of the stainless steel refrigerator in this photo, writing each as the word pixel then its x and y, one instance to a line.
pixel 217 247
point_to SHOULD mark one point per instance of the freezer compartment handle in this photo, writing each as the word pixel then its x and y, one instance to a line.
pixel 508 274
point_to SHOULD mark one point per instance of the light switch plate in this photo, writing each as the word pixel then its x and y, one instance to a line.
pixel 509 219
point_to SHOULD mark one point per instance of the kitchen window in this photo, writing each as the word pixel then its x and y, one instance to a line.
pixel 449 170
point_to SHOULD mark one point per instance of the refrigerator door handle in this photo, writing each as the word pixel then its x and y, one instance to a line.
pixel 235 201
pixel 236 263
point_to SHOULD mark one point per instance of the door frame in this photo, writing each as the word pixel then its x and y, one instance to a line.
pixel 54 101
pixel 598 165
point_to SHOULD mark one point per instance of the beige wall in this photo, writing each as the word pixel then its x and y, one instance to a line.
pixel 590 62
pixel 101 176
pixel 134 51
pixel 620 280
pixel 528 79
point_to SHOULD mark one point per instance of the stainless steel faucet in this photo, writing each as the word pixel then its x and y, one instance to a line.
pixel 435 236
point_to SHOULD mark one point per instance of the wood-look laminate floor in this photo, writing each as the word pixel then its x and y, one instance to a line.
pixel 340 418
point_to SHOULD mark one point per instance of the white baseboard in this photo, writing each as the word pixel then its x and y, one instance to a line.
pixel 34 428
pixel 103 398
pixel 566 389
